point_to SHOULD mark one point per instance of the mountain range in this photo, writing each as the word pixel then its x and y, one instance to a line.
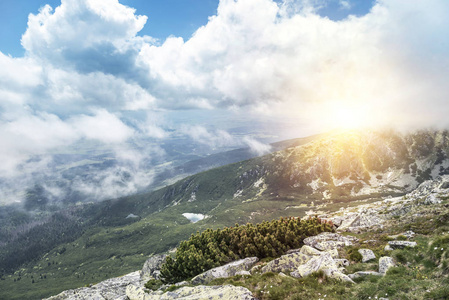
pixel 52 249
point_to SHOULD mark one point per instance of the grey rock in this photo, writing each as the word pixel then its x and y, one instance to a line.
pixel 444 185
pixel 363 274
pixel 361 221
pixel 342 262
pixel 401 244
pixel 388 248
pixel 324 261
pixel 326 241
pixel 193 293
pixel 151 267
pixel 111 289
pixel 225 271
pixel 336 274
pixel 182 283
pixel 243 273
pixel 385 263
pixel 286 263
pixel 367 255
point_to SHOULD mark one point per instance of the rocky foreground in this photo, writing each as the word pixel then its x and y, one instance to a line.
pixel 320 253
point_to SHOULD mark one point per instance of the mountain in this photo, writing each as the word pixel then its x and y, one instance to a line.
pixel 92 242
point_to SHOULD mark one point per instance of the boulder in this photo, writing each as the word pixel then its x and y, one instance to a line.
pixel 388 248
pixel 114 288
pixel 324 261
pixel 286 263
pixel 190 293
pixel 401 244
pixel 385 262
pixel 327 241
pixel 225 271
pixel 367 255
pixel 363 274
pixel 360 221
pixel 310 251
pixel 336 274
pixel 151 267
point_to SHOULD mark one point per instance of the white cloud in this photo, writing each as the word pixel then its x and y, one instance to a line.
pixel 256 146
pixel 260 57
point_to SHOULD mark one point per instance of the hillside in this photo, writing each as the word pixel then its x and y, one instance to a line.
pixel 115 237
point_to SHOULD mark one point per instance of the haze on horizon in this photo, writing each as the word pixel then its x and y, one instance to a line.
pixel 89 76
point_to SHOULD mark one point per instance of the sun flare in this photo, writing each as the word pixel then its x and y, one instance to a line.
pixel 347 118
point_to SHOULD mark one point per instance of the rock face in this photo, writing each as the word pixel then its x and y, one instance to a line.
pixel 385 263
pixel 326 241
pixel 191 293
pixel 367 255
pixel 401 244
pixel 225 271
pixel 111 289
pixel 152 266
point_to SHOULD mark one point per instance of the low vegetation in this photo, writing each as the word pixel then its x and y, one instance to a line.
pixel 213 248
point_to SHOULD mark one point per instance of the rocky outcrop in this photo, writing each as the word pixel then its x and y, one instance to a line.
pixel 225 271
pixel 192 293
pixel 152 266
pixel 367 255
pixel 111 289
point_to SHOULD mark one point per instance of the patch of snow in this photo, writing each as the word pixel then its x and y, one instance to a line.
pixel 131 216
pixel 258 182
pixel 194 217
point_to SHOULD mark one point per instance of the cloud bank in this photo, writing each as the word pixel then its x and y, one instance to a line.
pixel 87 76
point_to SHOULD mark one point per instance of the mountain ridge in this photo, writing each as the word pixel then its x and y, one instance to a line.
pixel 290 182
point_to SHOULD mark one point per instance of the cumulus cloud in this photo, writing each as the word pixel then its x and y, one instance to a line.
pixel 88 76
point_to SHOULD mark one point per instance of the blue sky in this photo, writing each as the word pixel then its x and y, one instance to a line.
pixel 169 17
pixel 233 73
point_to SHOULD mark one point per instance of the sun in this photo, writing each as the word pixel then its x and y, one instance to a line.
pixel 347 118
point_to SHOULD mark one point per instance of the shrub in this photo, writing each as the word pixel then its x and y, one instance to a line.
pixel 213 248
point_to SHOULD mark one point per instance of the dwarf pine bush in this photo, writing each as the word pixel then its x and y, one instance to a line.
pixel 213 248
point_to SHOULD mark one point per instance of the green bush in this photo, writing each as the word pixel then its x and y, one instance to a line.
pixel 213 248
pixel 153 284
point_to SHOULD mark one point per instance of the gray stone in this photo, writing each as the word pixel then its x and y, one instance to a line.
pixel 385 262
pixel 324 261
pixel 151 267
pixel 363 274
pixel 342 262
pixel 367 255
pixel 191 293
pixel 225 271
pixel 336 274
pixel 243 273
pixel 388 248
pixel 114 289
pixel 286 263
pixel 401 244
pixel 326 241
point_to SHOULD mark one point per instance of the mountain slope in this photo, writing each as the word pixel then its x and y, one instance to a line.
pixel 337 170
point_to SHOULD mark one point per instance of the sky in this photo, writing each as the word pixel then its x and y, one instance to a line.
pixel 110 72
